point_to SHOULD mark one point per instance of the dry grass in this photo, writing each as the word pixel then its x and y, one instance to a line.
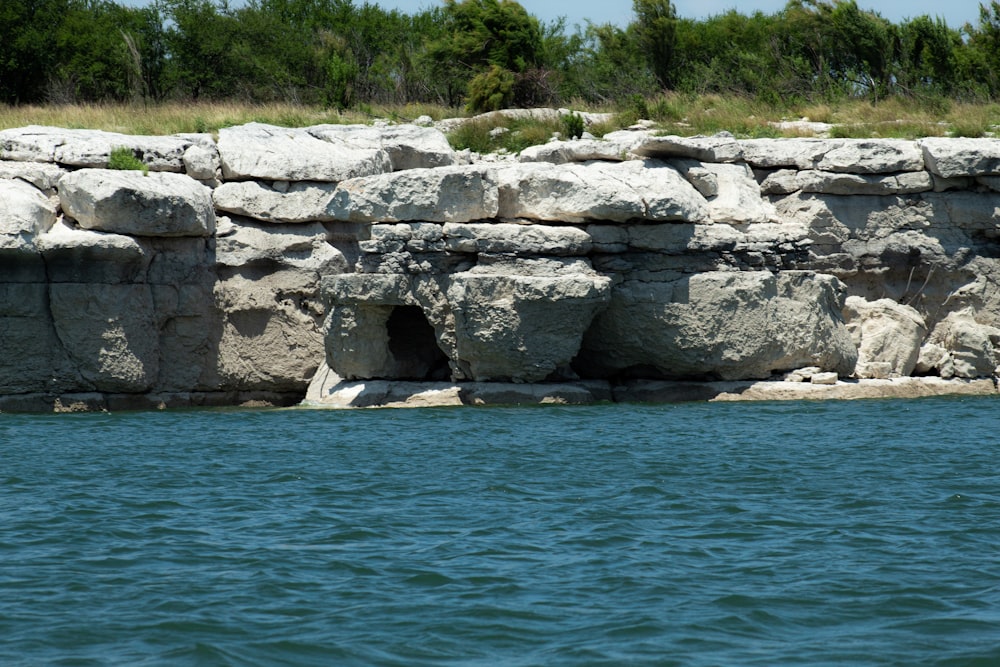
pixel 674 113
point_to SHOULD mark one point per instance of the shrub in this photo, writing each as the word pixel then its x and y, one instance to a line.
pixel 572 125
pixel 122 158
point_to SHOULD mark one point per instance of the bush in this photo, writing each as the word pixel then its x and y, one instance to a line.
pixel 123 158
pixel 572 125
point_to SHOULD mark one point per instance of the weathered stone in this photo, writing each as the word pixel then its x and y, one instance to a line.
pixel 445 194
pixel 90 148
pixel 303 201
pixel 516 239
pixel 271 330
pixel 131 202
pixel 958 157
pixel 862 184
pixel 408 146
pixel 731 190
pixel 109 331
pixel 580 150
pixel 243 242
pixel 885 332
pixel 729 325
pixel 971 346
pixel 83 256
pixel 202 163
pixel 33 358
pixel 522 328
pixel 800 153
pixel 267 152
pixel 599 191
pixel 25 213
pixel 42 175
pixel 824 378
pixel 873 156
pixel 719 148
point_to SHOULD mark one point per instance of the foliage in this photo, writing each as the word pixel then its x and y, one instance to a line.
pixel 573 125
pixel 122 158
pixel 486 54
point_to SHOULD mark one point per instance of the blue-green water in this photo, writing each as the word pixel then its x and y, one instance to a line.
pixel 724 534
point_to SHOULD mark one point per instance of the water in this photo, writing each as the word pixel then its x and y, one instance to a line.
pixel 724 534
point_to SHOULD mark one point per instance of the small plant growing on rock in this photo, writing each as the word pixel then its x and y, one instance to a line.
pixel 123 158
pixel 573 126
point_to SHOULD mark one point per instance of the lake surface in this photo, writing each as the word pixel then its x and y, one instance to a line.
pixel 699 534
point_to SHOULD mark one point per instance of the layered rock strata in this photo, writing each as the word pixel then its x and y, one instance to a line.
pixel 385 268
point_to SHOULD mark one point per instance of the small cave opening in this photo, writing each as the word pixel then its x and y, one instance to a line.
pixel 414 347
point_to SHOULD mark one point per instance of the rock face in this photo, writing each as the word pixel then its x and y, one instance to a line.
pixel 365 260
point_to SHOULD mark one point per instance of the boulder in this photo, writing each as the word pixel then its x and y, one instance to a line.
pixel 90 148
pixel 798 153
pixel 25 213
pixel 42 175
pixel 873 156
pixel 724 325
pixel 522 321
pixel 408 146
pixel 445 194
pixel 303 201
pixel 732 192
pixel 885 332
pixel 970 345
pixel 267 152
pixel 201 162
pixel 130 202
pixel 958 157
pixel 599 191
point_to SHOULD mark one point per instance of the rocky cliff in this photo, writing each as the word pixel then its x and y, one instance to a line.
pixel 379 264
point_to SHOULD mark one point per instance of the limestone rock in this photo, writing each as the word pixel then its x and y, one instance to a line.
pixel 719 148
pixel 728 325
pixel 42 175
pixel 512 326
pixel 267 152
pixel 202 163
pixel 130 202
pixel 408 146
pixel 303 201
pixel 873 156
pixel 109 331
pixel 599 191
pixel 857 184
pixel 516 239
pixel 271 330
pixel 33 358
pixel 885 332
pixel 81 256
pixel 731 190
pixel 445 194
pixel 958 157
pixel 798 153
pixel 243 242
pixel 90 148
pixel 971 346
pixel 25 213
pixel 580 150
pixel 824 378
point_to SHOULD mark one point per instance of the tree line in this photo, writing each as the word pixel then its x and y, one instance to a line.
pixel 485 54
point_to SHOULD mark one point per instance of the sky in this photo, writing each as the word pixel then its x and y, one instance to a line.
pixel 955 12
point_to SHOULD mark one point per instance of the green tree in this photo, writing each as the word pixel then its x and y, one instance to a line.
pixel 481 35
pixel 655 28
pixel 27 31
